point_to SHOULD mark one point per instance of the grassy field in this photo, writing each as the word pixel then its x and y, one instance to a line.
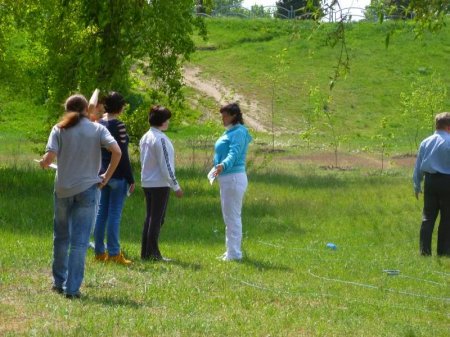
pixel 289 283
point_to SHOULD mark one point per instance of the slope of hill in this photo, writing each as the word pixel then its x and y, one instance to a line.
pixel 244 56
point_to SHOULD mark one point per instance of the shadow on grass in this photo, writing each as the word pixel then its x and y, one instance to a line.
pixel 146 266
pixel 113 301
pixel 263 265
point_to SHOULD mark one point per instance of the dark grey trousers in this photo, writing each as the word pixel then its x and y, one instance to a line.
pixel 156 199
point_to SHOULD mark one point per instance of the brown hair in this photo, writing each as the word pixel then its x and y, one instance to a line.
pixel 442 120
pixel 158 115
pixel 75 107
pixel 233 110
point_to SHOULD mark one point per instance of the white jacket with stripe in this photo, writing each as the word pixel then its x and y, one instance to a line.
pixel 157 160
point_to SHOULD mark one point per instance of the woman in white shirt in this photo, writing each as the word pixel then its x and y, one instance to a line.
pixel 158 178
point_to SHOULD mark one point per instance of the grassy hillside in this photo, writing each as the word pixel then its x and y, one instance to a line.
pixel 242 55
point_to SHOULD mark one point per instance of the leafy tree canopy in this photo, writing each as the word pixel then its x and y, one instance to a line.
pixel 93 43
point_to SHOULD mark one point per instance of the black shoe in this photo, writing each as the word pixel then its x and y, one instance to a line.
pixel 159 258
pixel 57 289
pixel 73 296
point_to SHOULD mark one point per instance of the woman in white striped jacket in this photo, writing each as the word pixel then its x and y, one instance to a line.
pixel 157 178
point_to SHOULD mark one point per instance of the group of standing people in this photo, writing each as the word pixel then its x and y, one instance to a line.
pixel 94 176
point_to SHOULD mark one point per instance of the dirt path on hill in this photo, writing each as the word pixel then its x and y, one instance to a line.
pixel 257 118
pixel 221 94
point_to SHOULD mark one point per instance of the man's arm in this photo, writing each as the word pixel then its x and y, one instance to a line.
pixel 418 174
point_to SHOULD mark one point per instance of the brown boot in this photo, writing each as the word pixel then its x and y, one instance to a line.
pixel 120 259
pixel 103 257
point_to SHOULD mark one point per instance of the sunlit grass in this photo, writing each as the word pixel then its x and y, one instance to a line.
pixel 289 284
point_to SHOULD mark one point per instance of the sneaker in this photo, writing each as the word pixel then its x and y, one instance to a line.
pixel 73 296
pixel 58 290
pixel 221 257
pixel 227 258
pixel 103 257
pixel 91 245
pixel 158 258
pixel 120 259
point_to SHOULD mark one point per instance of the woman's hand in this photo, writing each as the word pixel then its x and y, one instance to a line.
pixel 219 169
pixel 104 181
pixel 179 193
pixel 131 188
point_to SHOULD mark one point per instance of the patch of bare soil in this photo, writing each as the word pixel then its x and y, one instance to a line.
pixel 404 160
pixel 350 161
pixel 221 94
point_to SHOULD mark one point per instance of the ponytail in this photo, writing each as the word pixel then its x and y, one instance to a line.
pixel 69 119
pixel 76 107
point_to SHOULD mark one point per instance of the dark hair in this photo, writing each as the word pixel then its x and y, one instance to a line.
pixel 75 107
pixel 234 110
pixel 114 102
pixel 158 115
pixel 101 99
pixel 442 120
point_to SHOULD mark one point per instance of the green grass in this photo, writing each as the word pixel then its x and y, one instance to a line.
pixel 241 53
pixel 289 283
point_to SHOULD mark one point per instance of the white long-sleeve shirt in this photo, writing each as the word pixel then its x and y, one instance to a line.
pixel 157 160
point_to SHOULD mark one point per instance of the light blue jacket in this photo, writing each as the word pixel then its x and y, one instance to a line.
pixel 231 148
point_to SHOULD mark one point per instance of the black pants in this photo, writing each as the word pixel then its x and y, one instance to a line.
pixel 156 199
pixel 436 200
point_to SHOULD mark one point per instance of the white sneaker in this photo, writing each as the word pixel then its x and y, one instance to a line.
pixel 222 257
pixel 229 259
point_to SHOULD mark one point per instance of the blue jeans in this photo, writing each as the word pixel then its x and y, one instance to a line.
pixel 72 223
pixel 109 214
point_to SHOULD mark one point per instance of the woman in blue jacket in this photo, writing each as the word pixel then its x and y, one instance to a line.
pixel 230 153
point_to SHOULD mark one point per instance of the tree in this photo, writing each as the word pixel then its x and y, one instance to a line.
pixel 218 4
pixel 259 11
pixel 274 79
pixel 204 6
pixel 420 105
pixel 93 43
pixel 304 9
pixel 427 15
pixel 384 140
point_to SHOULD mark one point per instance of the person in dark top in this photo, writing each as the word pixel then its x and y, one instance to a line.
pixel 114 193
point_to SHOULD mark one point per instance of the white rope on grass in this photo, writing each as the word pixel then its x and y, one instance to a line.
pixel 263 288
pixel 445 299
pixel 422 280
pixel 442 273
pixel 254 285
pixel 312 249
pixel 282 247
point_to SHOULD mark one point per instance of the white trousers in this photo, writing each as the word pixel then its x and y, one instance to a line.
pixel 232 189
